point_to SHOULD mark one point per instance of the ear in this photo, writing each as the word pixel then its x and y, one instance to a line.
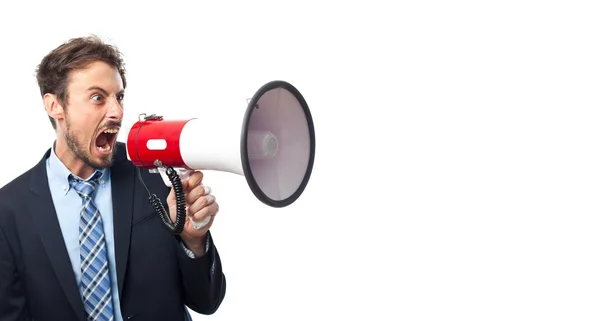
pixel 53 107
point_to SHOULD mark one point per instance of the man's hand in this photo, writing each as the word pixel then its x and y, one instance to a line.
pixel 200 205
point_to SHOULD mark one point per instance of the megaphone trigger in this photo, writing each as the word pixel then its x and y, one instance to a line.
pixel 183 174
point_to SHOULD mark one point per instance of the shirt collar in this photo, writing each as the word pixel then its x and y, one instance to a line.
pixel 60 172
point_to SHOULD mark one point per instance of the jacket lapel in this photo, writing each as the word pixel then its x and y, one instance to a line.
pixel 46 222
pixel 122 185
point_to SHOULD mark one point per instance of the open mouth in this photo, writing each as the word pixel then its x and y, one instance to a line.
pixel 106 140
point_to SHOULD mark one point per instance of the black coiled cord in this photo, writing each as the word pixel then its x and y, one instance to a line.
pixel 177 227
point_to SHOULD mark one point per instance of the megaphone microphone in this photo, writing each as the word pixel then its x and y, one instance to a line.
pixel 273 147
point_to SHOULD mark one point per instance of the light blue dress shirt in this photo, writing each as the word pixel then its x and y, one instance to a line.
pixel 68 204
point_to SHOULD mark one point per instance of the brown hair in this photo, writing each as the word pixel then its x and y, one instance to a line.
pixel 53 72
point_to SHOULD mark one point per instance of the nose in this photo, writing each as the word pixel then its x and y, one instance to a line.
pixel 115 110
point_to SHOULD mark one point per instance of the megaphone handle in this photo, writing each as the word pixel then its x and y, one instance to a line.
pixel 184 174
pixel 201 223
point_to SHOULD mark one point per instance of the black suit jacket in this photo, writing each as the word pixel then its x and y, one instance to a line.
pixel 155 277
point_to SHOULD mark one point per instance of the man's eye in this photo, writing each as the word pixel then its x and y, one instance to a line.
pixel 96 97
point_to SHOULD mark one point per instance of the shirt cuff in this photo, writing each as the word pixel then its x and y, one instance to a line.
pixel 191 254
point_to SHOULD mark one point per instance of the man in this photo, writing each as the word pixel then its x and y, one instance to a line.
pixel 79 239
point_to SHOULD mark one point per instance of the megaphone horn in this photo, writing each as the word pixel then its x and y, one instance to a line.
pixel 274 150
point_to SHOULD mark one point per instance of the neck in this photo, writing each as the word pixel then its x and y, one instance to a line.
pixel 70 160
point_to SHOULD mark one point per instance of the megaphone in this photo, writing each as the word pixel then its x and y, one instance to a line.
pixel 272 145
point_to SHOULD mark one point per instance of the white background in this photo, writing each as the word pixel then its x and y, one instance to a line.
pixel 457 170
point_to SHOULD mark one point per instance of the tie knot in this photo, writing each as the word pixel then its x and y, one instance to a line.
pixel 84 188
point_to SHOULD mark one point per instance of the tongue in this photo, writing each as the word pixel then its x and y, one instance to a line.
pixel 102 140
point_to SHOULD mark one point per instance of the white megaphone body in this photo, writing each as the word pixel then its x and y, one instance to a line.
pixel 272 144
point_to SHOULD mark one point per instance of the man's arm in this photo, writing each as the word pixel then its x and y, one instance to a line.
pixel 12 293
pixel 202 278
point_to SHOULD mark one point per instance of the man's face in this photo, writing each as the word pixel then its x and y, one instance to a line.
pixel 93 114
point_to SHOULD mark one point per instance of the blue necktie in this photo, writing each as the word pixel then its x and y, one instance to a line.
pixel 95 279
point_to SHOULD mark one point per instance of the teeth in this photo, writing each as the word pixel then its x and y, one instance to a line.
pixel 105 148
pixel 111 131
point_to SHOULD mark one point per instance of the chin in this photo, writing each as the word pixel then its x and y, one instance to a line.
pixel 101 161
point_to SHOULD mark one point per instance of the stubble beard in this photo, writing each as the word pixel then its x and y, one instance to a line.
pixel 78 149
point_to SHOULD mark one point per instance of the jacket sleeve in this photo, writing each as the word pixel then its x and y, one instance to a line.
pixel 12 292
pixel 203 281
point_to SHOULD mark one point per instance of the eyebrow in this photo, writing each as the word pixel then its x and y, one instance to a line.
pixel 104 91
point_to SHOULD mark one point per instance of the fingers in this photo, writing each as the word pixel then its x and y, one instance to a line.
pixel 192 196
pixel 202 205
pixel 201 202
pixel 195 179
pixel 201 223
pixel 210 210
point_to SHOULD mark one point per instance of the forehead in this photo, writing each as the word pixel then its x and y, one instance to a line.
pixel 97 73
